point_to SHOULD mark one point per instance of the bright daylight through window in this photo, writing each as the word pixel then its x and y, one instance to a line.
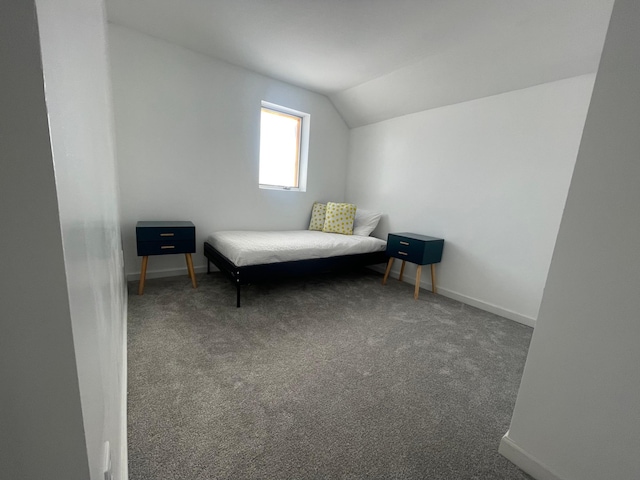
pixel 283 148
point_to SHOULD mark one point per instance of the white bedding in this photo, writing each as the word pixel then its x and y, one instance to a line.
pixel 255 248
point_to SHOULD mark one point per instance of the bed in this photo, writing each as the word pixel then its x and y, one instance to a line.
pixel 251 256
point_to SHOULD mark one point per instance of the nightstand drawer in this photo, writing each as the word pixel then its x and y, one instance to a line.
pixel 414 248
pixel 165 233
pixel 404 248
pixel 166 247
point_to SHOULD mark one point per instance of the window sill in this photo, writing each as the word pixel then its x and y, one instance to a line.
pixel 284 189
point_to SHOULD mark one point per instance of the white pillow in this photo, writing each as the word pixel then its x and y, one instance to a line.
pixel 366 222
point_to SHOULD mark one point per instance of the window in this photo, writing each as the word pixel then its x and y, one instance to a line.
pixel 284 144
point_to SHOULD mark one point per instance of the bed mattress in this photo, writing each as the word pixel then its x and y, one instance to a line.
pixel 245 248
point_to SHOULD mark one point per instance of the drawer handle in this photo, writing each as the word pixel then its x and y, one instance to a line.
pixel 403 253
pixel 166 234
pixel 166 247
pixel 404 243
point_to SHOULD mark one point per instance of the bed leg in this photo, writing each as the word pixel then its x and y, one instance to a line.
pixel 208 266
pixel 238 296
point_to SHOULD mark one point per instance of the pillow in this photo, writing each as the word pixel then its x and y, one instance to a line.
pixel 365 222
pixel 318 213
pixel 339 218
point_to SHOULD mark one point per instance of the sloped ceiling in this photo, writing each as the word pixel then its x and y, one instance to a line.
pixel 378 59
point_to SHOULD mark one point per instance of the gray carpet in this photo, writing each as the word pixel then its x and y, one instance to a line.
pixel 333 376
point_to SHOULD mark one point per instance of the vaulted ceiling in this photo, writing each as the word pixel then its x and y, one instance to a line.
pixel 377 59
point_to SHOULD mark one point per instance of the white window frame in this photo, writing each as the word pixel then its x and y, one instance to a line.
pixel 303 154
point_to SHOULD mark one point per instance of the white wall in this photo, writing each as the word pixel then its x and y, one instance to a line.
pixel 577 416
pixel 63 349
pixel 75 62
pixel 490 176
pixel 188 141
pixel 41 427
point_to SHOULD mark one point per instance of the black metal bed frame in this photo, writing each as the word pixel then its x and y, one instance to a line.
pixel 269 271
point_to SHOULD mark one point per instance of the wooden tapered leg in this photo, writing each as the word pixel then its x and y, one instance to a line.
pixel 417 290
pixel 386 273
pixel 433 278
pixel 143 274
pixel 402 270
pixel 192 274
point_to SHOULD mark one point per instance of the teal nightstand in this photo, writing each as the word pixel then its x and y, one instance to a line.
pixel 165 238
pixel 414 248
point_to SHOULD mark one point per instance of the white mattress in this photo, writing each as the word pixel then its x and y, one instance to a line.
pixel 255 248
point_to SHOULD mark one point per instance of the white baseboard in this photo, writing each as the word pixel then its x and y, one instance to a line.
pixel 474 302
pixel 526 462
pixel 488 307
pixel 168 272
